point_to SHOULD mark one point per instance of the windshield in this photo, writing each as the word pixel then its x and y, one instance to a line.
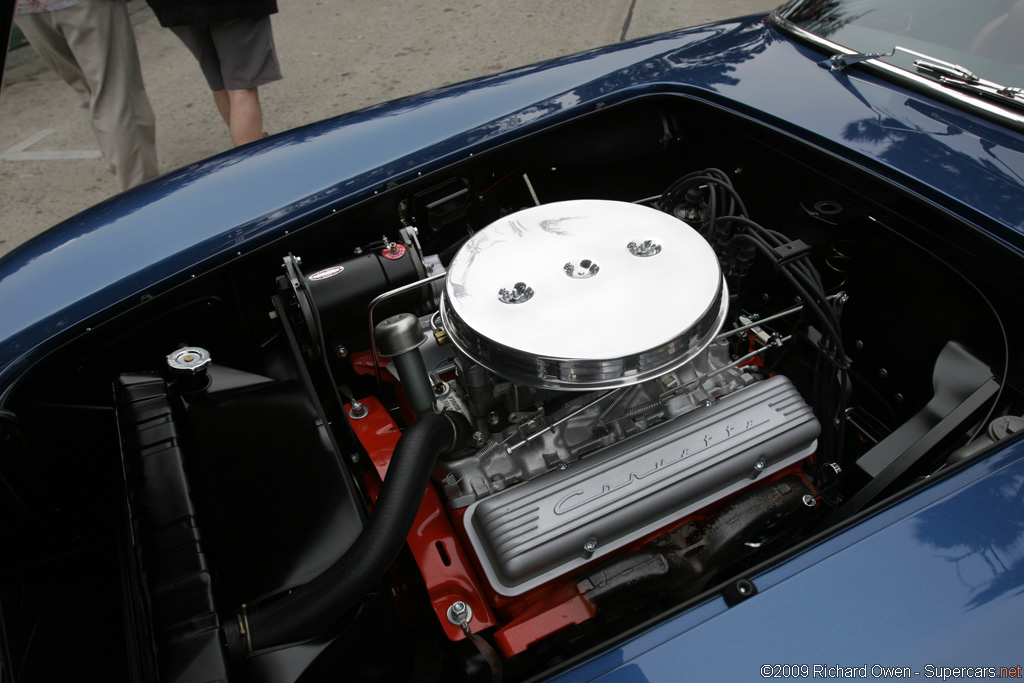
pixel 984 36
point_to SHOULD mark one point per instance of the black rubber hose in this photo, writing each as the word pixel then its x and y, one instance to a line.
pixel 310 609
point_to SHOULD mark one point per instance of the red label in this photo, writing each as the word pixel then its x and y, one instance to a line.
pixel 398 253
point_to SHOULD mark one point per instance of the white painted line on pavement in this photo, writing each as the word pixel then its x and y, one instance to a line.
pixel 18 153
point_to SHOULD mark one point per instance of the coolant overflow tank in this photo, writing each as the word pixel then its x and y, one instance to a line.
pixel 584 294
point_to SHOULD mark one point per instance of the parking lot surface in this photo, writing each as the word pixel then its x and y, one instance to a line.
pixel 336 57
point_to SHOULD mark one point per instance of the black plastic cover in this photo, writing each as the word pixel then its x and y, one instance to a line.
pixel 168 543
pixel 277 506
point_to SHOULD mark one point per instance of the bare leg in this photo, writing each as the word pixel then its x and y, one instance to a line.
pixel 246 117
pixel 223 105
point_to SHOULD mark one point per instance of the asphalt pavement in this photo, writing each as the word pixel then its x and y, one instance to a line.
pixel 337 56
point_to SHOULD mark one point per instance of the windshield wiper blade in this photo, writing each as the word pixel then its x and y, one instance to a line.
pixel 964 80
pixel 941 69
pixel 946 73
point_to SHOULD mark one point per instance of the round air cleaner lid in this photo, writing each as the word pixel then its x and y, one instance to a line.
pixel 584 294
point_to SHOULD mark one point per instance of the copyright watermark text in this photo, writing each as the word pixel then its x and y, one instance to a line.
pixel 873 671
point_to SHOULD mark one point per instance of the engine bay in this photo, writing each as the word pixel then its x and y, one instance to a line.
pixel 507 413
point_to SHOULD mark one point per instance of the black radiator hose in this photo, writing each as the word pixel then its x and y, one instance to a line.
pixel 310 609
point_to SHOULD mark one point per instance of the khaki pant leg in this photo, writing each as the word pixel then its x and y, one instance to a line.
pixel 48 41
pixel 99 36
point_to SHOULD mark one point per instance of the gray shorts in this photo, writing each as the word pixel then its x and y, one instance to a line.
pixel 234 55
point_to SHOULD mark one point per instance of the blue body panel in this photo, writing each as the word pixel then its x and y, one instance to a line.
pixel 135 245
pixel 928 590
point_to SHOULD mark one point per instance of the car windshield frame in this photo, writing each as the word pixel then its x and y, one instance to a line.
pixel 894 38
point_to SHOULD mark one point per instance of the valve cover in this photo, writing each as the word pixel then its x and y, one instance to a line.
pixel 544 528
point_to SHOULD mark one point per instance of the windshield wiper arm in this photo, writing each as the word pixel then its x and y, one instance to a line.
pixel 838 62
pixel 948 74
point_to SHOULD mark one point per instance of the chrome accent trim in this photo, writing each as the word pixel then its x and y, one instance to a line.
pixel 932 88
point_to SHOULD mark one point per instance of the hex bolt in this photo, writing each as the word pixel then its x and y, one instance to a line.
pixel 460 614
pixel 759 465
pixel 357 411
pixel 478 439
pixel 590 545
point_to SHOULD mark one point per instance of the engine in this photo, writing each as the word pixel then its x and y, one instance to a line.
pixel 582 348
pixel 617 425
pixel 600 412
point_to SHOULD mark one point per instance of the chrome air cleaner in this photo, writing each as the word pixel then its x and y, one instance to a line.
pixel 584 294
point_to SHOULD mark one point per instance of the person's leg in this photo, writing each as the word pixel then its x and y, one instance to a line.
pixel 49 42
pixel 248 60
pixel 199 41
pixel 245 116
pixel 99 33
pixel 220 97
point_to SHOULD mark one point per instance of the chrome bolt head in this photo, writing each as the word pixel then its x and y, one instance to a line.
pixel 581 270
pixel 459 613
pixel 519 293
pixel 644 248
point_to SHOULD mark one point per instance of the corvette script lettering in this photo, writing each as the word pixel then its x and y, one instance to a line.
pixel 644 468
